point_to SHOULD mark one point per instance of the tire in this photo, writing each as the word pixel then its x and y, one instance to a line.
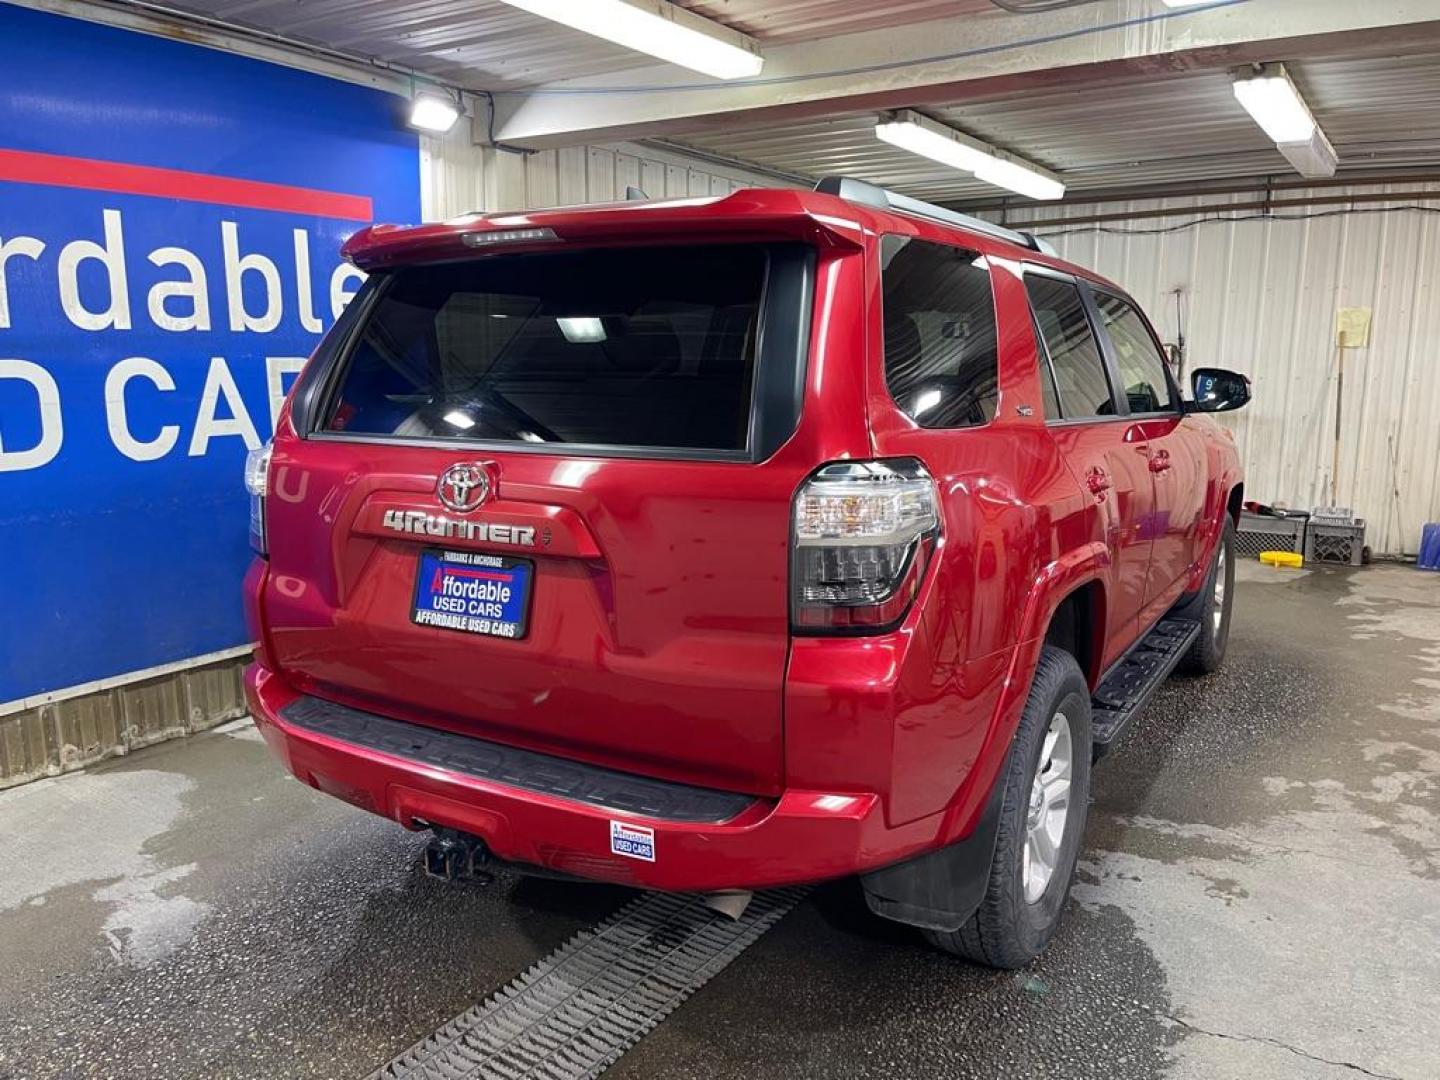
pixel 1212 606
pixel 1020 913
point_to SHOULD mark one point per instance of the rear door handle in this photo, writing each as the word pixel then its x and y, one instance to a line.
pixel 1098 481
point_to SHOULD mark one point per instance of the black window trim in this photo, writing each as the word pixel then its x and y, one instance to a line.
pixel 1087 303
pixel 1112 354
pixel 777 389
pixel 995 307
pixel 313 392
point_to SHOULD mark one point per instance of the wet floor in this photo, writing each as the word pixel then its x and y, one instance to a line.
pixel 1260 897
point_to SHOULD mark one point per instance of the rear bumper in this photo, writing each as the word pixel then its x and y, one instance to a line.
pixel 803 836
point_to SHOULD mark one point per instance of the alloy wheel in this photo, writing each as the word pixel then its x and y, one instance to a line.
pixel 1049 809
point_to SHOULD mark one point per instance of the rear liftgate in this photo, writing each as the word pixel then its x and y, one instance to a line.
pixel 574 1013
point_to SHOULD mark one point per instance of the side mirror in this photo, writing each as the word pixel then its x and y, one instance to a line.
pixel 1217 390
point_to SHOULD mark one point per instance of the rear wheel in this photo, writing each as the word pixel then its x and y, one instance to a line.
pixel 1211 606
pixel 1042 821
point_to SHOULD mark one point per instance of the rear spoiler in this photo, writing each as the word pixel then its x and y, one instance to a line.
pixel 748 215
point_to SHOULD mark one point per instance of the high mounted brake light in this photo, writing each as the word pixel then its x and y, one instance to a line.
pixel 508 236
pixel 862 536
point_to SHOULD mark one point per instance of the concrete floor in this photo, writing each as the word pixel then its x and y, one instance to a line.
pixel 1259 897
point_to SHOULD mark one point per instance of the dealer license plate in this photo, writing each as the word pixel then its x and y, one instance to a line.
pixel 473 592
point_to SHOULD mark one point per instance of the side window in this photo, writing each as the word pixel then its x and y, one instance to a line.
pixel 1142 369
pixel 940 351
pixel 1080 381
pixel 1047 377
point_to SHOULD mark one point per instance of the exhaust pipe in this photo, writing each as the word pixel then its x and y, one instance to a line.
pixel 455 856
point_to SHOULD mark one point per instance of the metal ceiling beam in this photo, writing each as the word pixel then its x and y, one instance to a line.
pixel 954 59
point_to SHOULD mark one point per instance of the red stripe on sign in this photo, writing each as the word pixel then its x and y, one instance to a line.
pixel 486 575
pixel 57 170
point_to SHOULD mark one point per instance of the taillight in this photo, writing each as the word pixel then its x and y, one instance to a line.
pixel 862 537
pixel 257 481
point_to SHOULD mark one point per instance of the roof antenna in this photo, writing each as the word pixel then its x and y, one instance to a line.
pixel 633 193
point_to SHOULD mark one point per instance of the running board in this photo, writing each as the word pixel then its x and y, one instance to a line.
pixel 1129 685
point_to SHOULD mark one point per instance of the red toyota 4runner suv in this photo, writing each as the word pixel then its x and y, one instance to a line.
pixel 733 542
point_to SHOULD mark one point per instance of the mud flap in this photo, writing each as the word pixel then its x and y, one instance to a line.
pixel 941 889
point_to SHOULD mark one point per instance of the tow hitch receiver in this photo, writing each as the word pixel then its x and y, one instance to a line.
pixel 456 856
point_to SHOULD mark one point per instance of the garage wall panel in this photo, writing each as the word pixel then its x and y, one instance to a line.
pixel 1261 296
pixel 458 177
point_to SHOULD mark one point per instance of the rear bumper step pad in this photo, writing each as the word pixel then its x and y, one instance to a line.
pixel 529 770
pixel 1129 685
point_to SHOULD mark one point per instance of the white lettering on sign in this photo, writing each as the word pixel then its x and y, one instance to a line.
pixel 236 267
pixel 137 367
pixel 92 280
pixel 276 368
pixel 208 424
pixel 52 429
pixel 305 302
pixel 115 315
pixel 26 246
pixel 182 304
pixel 192 290
pixel 343 284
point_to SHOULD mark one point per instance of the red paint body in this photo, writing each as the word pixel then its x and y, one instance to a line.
pixel 659 638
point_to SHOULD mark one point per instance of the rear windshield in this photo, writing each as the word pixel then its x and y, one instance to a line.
pixel 637 347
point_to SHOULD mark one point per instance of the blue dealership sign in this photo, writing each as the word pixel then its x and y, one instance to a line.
pixel 170 222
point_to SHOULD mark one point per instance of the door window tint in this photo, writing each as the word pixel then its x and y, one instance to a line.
pixel 1047 377
pixel 1142 370
pixel 1074 353
pixel 940 352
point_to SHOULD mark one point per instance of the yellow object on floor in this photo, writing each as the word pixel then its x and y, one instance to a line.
pixel 1282 558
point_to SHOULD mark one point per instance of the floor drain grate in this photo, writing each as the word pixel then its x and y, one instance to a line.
pixel 574 1013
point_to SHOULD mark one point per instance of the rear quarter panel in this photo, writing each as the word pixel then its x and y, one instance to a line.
pixel 1017 533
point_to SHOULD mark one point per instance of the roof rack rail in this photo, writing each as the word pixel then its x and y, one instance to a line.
pixel 862 191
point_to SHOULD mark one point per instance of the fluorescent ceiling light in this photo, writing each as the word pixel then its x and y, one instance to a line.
pixel 1272 100
pixel 920 135
pixel 456 418
pixel 1185 3
pixel 928 140
pixel 433 112
pixel 580 331
pixel 1025 179
pixel 1313 157
pixel 660 29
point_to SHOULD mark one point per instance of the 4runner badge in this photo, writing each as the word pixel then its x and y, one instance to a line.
pixel 419 523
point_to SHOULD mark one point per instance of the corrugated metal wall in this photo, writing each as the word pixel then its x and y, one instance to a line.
pixel 1261 296
pixel 458 177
